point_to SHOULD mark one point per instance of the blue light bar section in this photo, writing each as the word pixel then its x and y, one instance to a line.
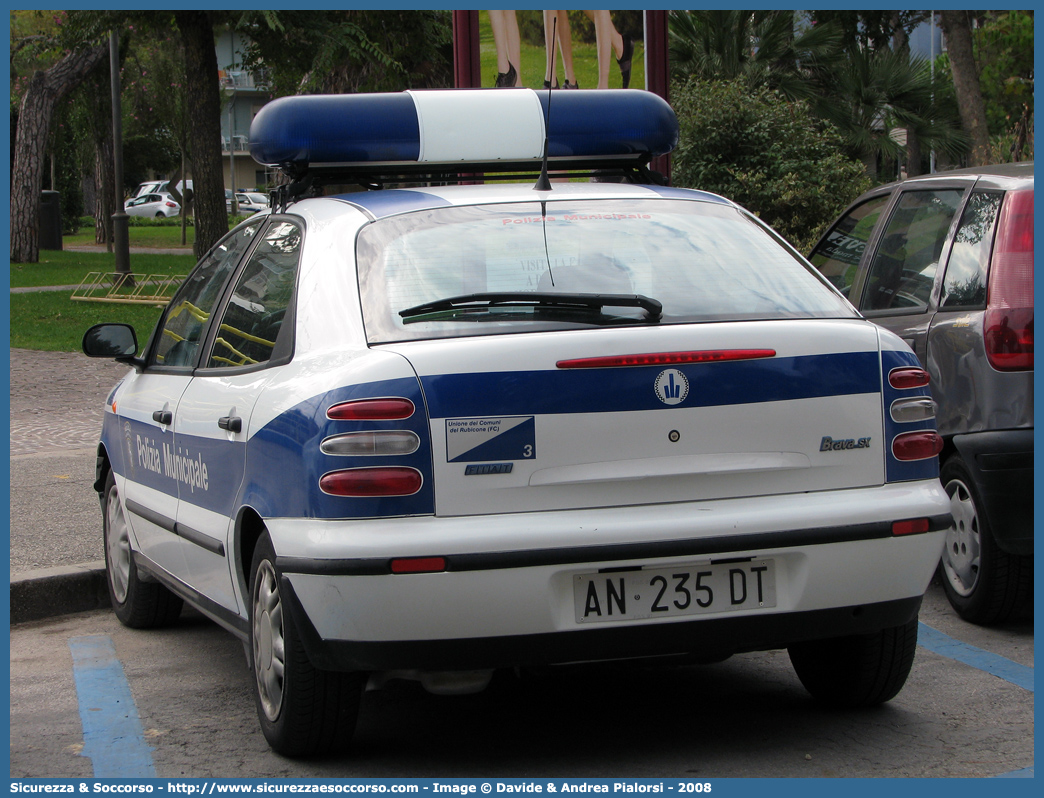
pixel 609 122
pixel 336 128
pixel 385 128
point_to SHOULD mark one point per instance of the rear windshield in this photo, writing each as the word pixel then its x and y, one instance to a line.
pixel 700 261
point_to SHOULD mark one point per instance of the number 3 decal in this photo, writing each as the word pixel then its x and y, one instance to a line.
pixel 527 450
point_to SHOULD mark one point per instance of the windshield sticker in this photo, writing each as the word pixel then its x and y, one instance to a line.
pixel 471 440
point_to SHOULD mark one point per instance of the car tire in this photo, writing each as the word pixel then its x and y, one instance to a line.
pixel 160 215
pixel 983 583
pixel 856 671
pixel 137 603
pixel 303 710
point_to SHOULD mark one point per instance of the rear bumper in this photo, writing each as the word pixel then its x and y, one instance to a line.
pixel 1001 463
pixel 506 596
pixel 704 640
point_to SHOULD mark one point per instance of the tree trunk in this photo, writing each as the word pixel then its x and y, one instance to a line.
pixel 956 26
pixel 106 182
pixel 46 88
pixel 913 153
pixel 204 108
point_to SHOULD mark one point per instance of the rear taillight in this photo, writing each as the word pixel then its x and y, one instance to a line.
pixel 382 442
pixel 384 409
pixel 1008 322
pixel 373 482
pixel 910 409
pixel 906 377
pixel 919 445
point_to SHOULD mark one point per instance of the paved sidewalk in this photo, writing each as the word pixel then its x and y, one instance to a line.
pixel 57 400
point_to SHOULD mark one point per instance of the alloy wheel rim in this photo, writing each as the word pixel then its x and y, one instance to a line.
pixel 117 548
pixel 268 641
pixel 962 553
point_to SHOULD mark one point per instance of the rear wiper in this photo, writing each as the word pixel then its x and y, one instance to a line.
pixel 534 299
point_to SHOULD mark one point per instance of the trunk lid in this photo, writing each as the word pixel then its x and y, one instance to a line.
pixel 526 434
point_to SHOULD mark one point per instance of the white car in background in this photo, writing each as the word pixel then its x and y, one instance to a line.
pixel 154 205
pixel 251 202
pixel 431 432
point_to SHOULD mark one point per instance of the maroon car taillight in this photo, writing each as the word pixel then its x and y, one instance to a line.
pixel 392 408
pixel 918 445
pixel 375 482
pixel 1008 322
pixel 906 377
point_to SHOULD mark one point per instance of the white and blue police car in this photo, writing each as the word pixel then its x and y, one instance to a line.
pixel 462 424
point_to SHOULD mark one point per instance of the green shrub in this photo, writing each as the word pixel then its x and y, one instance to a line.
pixel 767 153
pixel 150 221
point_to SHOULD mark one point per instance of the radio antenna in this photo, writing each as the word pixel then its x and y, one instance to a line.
pixel 543 183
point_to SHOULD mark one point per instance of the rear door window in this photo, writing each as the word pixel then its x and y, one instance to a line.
pixel 902 272
pixel 837 256
pixel 181 329
pixel 964 284
pixel 253 318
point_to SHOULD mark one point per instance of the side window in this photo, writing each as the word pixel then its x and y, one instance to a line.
pixel 181 328
pixel 964 284
pixel 903 268
pixel 255 312
pixel 837 256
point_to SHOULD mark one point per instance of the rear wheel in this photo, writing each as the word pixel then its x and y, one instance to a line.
pixel 857 671
pixel 303 710
pixel 137 603
pixel 983 583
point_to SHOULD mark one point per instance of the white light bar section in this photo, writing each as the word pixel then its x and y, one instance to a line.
pixel 485 125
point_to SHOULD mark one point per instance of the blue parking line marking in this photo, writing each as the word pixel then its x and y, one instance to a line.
pixel 999 666
pixel 1024 773
pixel 112 735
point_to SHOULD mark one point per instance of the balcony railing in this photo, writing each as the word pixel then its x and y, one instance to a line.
pixel 238 144
pixel 241 79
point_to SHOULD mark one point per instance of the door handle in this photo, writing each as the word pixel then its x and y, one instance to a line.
pixel 231 423
pixel 164 417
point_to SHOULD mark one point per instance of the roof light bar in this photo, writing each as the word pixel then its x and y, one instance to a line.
pixel 462 127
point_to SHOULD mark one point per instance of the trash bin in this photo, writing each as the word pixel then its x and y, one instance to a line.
pixel 50 220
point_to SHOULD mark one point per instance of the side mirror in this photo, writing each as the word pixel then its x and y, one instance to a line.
pixel 112 340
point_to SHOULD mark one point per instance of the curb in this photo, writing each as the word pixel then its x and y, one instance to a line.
pixel 47 592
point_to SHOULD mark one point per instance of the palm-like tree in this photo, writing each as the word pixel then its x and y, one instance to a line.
pixel 872 93
pixel 765 48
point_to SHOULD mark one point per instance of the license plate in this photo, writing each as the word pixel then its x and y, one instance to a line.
pixel 679 590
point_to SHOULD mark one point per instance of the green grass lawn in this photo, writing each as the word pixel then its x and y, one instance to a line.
pixel 139 236
pixel 63 267
pixel 51 321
